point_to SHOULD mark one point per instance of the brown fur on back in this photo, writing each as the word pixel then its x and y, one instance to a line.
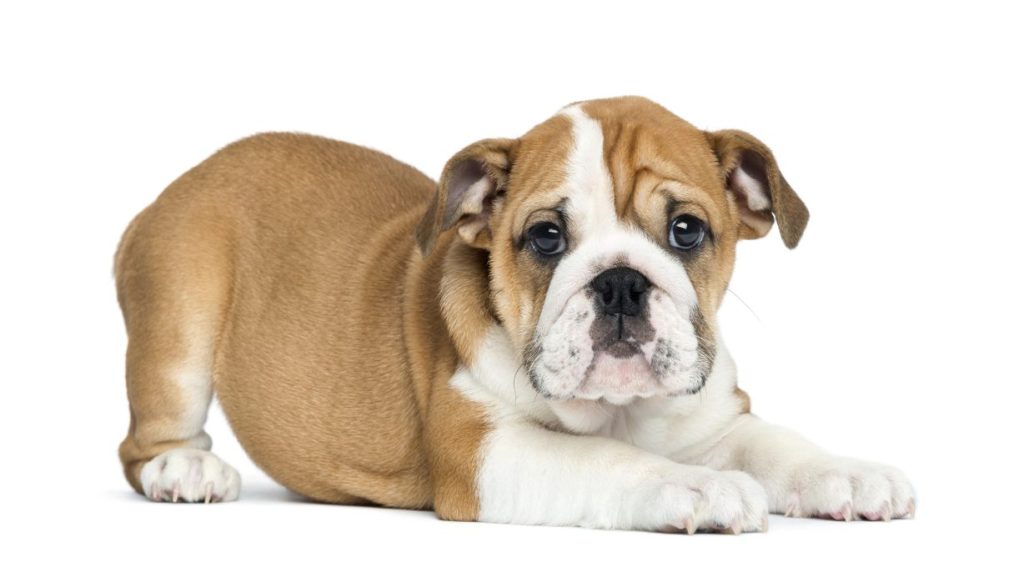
pixel 299 252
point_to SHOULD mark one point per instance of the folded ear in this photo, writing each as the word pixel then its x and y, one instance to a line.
pixel 750 173
pixel 472 183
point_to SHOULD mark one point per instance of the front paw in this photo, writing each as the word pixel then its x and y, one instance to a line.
pixel 695 498
pixel 847 489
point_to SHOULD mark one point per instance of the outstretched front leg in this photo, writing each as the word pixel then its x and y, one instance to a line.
pixel 802 479
pixel 529 474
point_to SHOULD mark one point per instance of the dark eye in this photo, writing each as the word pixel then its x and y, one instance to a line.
pixel 546 238
pixel 686 232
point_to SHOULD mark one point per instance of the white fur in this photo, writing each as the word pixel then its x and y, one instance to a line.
pixel 755 193
pixel 601 240
pixel 566 366
pixel 535 474
pixel 634 465
pixel 591 194
pixel 195 387
pixel 567 348
pixel 600 251
pixel 803 480
pixel 473 204
pixel 189 475
pixel 674 352
pixel 661 462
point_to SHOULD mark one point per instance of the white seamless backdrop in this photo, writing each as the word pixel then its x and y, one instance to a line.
pixel 891 333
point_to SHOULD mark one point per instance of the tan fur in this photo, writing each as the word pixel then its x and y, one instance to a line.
pixel 294 253
pixel 284 270
pixel 744 400
pixel 645 147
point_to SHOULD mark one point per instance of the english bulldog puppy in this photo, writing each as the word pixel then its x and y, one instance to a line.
pixel 532 340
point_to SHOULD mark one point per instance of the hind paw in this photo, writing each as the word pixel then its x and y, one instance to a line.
pixel 189 475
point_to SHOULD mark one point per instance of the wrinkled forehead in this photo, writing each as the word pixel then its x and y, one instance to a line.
pixel 590 159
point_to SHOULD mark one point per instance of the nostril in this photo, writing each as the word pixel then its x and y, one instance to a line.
pixel 608 295
pixel 635 294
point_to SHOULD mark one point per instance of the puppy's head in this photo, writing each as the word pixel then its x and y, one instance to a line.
pixel 611 232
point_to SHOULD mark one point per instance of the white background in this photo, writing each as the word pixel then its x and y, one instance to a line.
pixel 891 333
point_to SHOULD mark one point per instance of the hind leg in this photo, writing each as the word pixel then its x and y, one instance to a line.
pixel 166 454
pixel 172 314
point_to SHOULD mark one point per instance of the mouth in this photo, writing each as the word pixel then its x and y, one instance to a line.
pixel 594 355
pixel 621 336
pixel 622 348
pixel 621 371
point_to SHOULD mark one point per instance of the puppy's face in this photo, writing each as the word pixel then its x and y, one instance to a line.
pixel 612 230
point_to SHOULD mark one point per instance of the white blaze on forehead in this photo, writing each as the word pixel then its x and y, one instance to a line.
pixel 598 237
pixel 591 198
pixel 590 204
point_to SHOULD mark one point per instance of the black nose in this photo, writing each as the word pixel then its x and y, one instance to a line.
pixel 620 291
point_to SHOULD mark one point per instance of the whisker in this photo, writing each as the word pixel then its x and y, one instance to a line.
pixel 515 376
pixel 729 289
